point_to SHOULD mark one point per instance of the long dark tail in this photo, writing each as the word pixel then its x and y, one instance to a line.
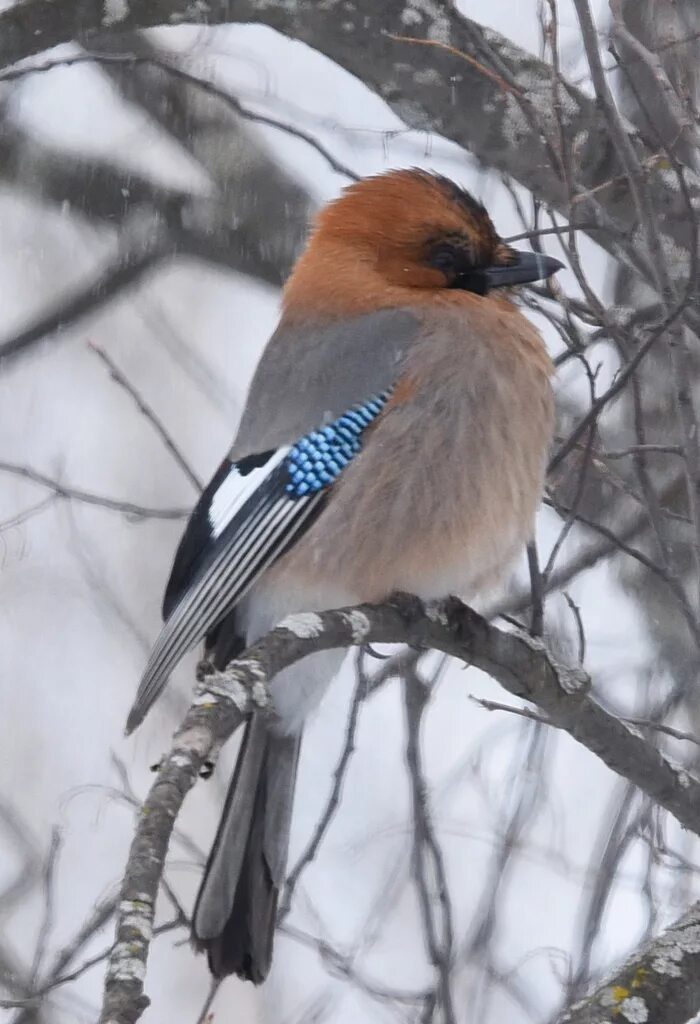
pixel 234 916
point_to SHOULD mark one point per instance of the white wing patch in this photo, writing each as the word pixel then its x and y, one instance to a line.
pixel 235 489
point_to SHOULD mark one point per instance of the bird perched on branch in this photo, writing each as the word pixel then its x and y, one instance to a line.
pixel 394 439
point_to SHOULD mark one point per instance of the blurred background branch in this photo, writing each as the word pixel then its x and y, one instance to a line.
pixel 585 131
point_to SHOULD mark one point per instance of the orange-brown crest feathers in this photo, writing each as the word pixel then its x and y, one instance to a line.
pixel 386 234
pixel 402 210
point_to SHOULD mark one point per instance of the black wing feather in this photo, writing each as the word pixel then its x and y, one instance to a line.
pixel 197 538
pixel 207 582
pixel 250 513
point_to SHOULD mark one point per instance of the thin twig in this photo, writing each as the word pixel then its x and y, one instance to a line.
pixel 578 619
pixel 127 508
pixel 125 271
pixel 132 60
pixel 494 705
pixel 667 730
pixel 675 112
pixel 341 966
pixel 222 700
pixel 500 81
pixel 333 802
pixel 427 860
pixel 204 1016
pixel 150 415
pixel 537 590
pixel 581 482
pixel 48 900
pixel 27 513
pixel 641 449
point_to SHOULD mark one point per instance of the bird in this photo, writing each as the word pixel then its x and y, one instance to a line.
pixel 394 439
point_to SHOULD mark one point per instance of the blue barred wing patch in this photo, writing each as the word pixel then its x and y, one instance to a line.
pixel 317 460
pixel 246 518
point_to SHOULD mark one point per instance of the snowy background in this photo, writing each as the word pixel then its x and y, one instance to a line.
pixel 80 590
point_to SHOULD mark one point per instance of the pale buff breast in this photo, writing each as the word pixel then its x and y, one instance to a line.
pixel 443 496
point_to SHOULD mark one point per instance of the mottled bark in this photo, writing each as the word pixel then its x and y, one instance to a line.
pixel 455 78
pixel 659 985
pixel 252 220
pixel 653 412
pixel 521 664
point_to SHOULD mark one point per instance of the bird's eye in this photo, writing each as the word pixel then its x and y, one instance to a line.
pixel 446 257
pixel 456 258
pixel 451 255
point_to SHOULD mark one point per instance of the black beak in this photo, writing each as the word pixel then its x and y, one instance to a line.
pixel 526 268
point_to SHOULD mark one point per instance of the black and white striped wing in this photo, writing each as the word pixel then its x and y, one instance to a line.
pixel 241 524
pixel 249 514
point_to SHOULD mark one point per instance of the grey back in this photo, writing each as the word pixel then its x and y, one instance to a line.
pixel 310 374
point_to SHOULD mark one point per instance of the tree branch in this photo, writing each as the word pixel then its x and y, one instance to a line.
pixel 427 860
pixel 252 221
pixel 462 97
pixel 661 984
pixel 125 271
pixel 519 663
pixel 123 381
pixel 161 62
pixel 128 508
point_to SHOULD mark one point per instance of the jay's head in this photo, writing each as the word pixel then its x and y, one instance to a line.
pixel 411 229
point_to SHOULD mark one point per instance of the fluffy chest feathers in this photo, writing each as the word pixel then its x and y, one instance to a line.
pixel 444 493
pixel 430 485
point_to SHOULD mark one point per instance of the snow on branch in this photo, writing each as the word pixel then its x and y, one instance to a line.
pixel 440 72
pixel 521 664
pixel 660 984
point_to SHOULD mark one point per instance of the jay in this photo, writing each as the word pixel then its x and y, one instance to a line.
pixel 394 438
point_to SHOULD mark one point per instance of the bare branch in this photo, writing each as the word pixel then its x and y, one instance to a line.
pixel 30 864
pixel 223 699
pixel 392 667
pixel 494 705
pixel 642 449
pixel 660 984
pixel 48 901
pixel 127 508
pixel 124 272
pixel 427 858
pixel 27 513
pixel 128 61
pixel 677 121
pixel 665 730
pixel 341 966
pixel 497 117
pixel 329 812
pixel 150 415
pixel 253 220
